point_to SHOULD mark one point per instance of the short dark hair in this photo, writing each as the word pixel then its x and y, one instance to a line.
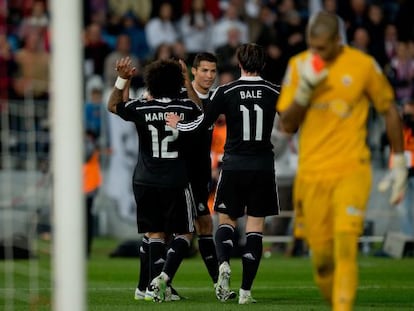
pixel 251 57
pixel 164 78
pixel 204 56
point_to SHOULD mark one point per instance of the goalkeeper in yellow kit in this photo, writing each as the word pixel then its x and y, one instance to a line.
pixel 326 94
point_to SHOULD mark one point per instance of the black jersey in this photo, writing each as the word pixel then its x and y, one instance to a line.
pixel 160 158
pixel 249 107
pixel 198 150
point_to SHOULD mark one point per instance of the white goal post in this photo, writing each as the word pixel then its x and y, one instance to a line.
pixel 69 252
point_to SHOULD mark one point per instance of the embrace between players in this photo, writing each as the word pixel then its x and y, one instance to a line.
pixel 323 94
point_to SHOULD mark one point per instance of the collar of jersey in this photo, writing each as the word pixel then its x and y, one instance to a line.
pixel 163 99
pixel 251 78
pixel 200 95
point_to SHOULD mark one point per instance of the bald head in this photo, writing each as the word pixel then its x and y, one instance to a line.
pixel 323 35
pixel 323 23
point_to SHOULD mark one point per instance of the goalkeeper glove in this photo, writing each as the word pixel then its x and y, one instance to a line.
pixel 311 72
pixel 396 178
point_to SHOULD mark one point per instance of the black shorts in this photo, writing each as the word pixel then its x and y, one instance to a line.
pixel 200 190
pixel 253 193
pixel 169 210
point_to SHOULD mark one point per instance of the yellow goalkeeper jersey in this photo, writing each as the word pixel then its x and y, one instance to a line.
pixel 332 137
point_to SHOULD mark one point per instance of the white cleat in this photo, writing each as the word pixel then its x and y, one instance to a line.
pixel 171 294
pixel 223 292
pixel 139 295
pixel 245 298
pixel 149 295
pixel 158 286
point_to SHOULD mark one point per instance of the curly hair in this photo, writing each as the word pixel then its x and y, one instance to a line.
pixel 164 78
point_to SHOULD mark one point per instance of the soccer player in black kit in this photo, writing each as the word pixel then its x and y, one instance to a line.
pixel 247 183
pixel 160 182
pixel 204 71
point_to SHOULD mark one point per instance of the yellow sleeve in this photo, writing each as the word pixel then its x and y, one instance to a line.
pixel 379 89
pixel 289 85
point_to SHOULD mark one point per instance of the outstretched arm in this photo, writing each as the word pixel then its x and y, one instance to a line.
pixel 189 86
pixel 291 118
pixel 125 73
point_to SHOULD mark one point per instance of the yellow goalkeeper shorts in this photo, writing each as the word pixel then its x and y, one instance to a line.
pixel 329 206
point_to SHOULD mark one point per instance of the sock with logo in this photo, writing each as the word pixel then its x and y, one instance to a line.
pixel 143 280
pixel 224 242
pixel 156 257
pixel 251 258
pixel 175 255
pixel 208 253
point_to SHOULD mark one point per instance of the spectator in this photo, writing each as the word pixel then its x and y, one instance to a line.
pixel 32 78
pixel 226 54
pixel 123 49
pixel 229 20
pixel 376 27
pixel 212 7
pixel 400 71
pixel 136 33
pixel 196 29
pixel 275 64
pixel 95 50
pixel 356 16
pixel 361 40
pixel 164 51
pixel 94 110
pixel 38 20
pixel 291 29
pixel 140 9
pixel 390 41
pixel 160 29
pixel 7 68
pixel 179 51
pixel 266 32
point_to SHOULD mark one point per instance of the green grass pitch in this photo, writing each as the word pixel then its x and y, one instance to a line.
pixel 281 284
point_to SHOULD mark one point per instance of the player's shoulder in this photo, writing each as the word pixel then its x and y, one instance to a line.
pixel 134 102
pixel 361 58
pixel 226 86
pixel 273 86
pixel 183 93
pixel 185 103
pixel 353 52
pixel 299 57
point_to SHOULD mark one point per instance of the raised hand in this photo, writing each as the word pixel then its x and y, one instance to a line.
pixel 312 71
pixel 124 68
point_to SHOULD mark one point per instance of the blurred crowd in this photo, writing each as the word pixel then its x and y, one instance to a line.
pixel 153 29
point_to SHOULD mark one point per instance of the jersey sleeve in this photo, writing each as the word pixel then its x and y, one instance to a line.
pixel 289 85
pixel 203 120
pixel 378 88
pixel 194 121
pixel 128 110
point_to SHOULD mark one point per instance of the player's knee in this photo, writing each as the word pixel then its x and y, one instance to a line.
pixel 204 225
pixel 323 260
